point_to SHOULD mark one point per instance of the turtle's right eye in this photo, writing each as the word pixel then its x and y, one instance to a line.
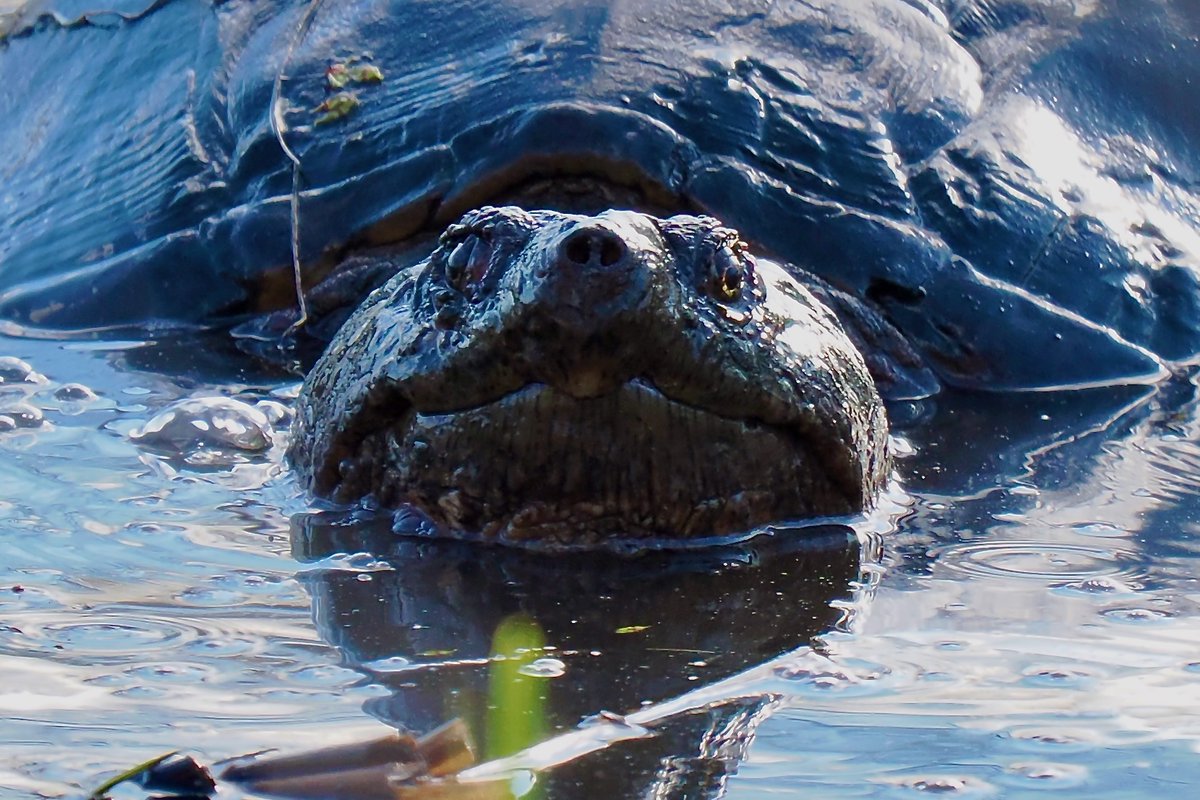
pixel 467 263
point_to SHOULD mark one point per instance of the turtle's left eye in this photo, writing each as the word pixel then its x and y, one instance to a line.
pixel 727 283
pixel 728 273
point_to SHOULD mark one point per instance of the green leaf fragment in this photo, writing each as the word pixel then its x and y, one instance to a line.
pixel 337 76
pixel 334 108
pixel 366 73
pixel 103 789
pixel 633 629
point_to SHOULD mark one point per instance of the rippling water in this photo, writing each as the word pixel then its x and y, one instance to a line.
pixel 1021 618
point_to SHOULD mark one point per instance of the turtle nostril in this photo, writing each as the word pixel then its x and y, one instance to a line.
pixel 612 249
pixel 592 246
pixel 578 248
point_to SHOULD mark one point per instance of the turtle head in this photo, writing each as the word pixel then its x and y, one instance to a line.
pixel 566 379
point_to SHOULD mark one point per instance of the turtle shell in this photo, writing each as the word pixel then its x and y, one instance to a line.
pixel 1013 183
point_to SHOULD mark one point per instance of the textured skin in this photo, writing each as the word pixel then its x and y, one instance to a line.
pixel 1013 181
pixel 546 375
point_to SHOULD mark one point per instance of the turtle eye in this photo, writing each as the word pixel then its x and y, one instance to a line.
pixel 468 263
pixel 729 282
pixel 727 274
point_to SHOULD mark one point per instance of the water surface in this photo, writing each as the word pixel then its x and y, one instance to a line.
pixel 1019 619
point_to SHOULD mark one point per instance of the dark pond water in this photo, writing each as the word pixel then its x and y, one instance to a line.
pixel 1019 619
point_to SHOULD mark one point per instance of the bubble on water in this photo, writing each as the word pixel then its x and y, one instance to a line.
pixel 1103 530
pixel 222 645
pixel 325 675
pixel 1135 616
pixel 171 672
pixel 544 668
pixel 1104 585
pixel 199 424
pixel 74 392
pixel 1049 739
pixel 943 785
pixel 14 370
pixel 1057 677
pixel 348 562
pixel 1048 775
pixel 390 664
pixel 75 398
pixel 612 726
pixel 22 415
pixel 210 597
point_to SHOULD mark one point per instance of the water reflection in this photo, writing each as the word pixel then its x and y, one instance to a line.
pixel 552 640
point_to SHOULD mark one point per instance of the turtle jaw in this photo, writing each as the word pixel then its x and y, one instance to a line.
pixel 538 466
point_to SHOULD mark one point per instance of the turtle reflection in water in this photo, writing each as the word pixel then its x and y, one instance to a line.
pixel 1006 190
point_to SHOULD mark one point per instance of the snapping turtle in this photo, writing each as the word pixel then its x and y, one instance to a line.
pixel 1008 185
pixel 568 379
